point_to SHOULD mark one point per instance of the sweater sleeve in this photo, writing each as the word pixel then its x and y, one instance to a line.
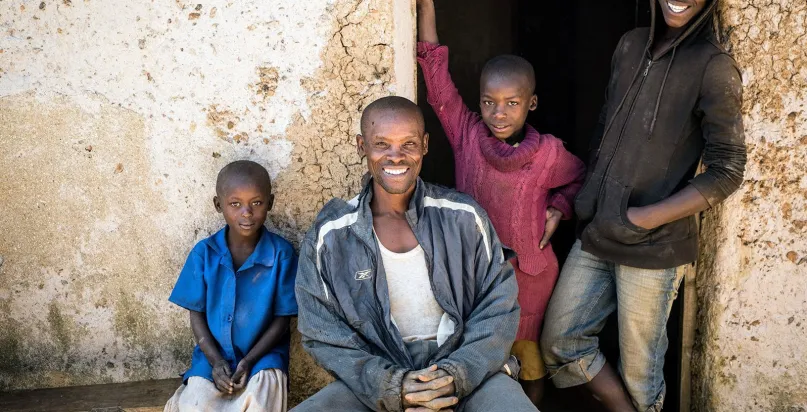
pixel 719 106
pixel 568 173
pixel 442 95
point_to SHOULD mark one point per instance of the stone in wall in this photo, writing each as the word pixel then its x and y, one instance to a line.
pixel 752 281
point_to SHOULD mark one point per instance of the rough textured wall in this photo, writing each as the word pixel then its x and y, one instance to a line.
pixel 115 118
pixel 753 270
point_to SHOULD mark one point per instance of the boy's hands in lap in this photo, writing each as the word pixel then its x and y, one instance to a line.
pixel 221 376
pixel 553 217
pixel 241 375
pixel 429 389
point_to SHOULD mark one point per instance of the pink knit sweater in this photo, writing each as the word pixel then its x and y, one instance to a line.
pixel 515 185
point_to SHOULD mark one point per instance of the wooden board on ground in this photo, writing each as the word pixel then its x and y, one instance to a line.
pixel 130 397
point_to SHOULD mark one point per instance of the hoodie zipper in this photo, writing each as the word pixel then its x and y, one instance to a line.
pixel 646 70
pixel 624 125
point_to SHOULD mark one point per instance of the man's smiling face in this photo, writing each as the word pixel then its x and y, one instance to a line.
pixel 394 143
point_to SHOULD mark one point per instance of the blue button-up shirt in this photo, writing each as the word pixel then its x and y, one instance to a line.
pixel 239 306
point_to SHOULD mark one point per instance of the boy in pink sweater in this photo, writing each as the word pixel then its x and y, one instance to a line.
pixel 526 181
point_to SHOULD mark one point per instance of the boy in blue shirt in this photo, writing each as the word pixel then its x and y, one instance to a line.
pixel 239 288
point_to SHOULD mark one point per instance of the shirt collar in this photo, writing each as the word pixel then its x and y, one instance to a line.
pixel 264 253
pixel 518 137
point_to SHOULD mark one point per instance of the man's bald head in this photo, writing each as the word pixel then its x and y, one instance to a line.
pixel 395 104
pixel 243 171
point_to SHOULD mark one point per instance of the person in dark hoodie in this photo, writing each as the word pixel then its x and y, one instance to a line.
pixel 674 98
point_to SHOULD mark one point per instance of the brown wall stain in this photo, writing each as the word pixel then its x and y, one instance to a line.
pixel 752 279
pixel 355 72
pixel 100 211
pixel 78 245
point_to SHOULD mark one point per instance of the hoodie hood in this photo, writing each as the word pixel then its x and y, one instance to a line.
pixel 700 25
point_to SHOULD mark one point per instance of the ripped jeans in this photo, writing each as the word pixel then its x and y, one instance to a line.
pixel 588 291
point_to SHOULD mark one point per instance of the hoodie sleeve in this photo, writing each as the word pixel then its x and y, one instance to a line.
pixel 442 95
pixel 335 346
pixel 720 109
pixel 490 329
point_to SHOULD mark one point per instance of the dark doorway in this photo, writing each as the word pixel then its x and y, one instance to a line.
pixel 570 43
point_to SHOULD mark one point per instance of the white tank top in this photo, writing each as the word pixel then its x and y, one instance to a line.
pixel 412 305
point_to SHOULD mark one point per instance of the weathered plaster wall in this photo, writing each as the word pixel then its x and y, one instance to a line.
pixel 752 344
pixel 115 118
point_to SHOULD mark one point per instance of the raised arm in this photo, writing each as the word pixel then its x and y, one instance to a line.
pixel 427 22
pixel 441 93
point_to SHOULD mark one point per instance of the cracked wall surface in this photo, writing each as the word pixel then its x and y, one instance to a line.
pixel 115 118
pixel 752 281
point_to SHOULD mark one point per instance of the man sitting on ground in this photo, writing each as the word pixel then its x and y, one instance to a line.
pixel 405 295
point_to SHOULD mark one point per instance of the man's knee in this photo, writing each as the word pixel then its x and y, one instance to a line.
pixel 556 347
pixel 498 393
pixel 334 397
pixel 570 360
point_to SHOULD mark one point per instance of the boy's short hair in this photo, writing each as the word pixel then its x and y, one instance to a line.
pixel 243 169
pixel 510 65
pixel 394 103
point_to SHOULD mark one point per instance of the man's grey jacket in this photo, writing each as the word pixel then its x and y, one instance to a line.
pixel 344 309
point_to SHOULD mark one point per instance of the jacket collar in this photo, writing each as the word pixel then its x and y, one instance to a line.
pixel 264 253
pixel 364 224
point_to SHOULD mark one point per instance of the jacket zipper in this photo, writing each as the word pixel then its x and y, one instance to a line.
pixel 624 125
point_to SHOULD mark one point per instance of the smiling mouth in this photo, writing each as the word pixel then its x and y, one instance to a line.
pixel 676 7
pixel 395 171
pixel 500 128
